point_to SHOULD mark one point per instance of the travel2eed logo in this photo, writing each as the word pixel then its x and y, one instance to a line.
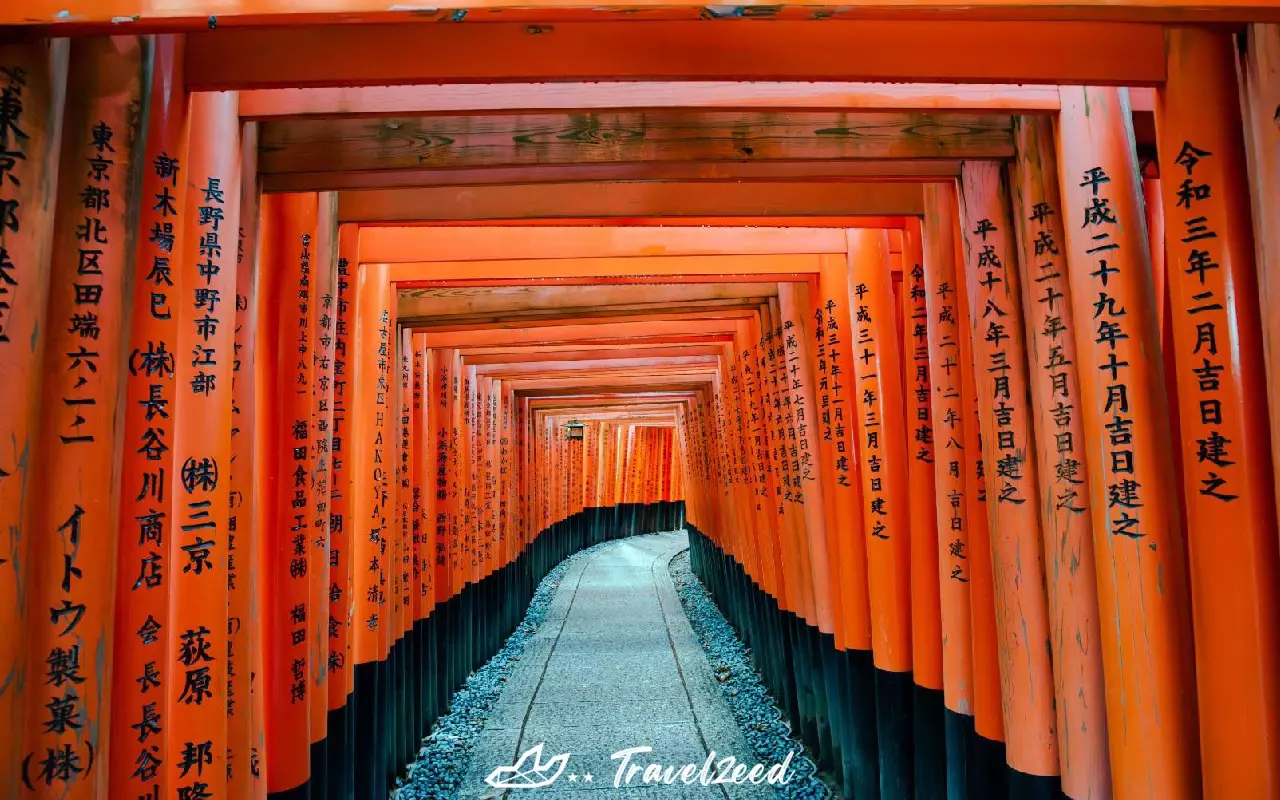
pixel 531 772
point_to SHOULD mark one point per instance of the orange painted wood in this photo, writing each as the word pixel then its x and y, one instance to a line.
pixel 1260 96
pixel 342 526
pixel 833 340
pixel 951 475
pixel 791 221
pixel 809 50
pixel 926 602
pixel 37 75
pixel 988 714
pixel 286 311
pixel 615 267
pixel 318 177
pixel 996 320
pixel 324 285
pixel 149 520
pixel 424 474
pixel 652 144
pixel 806 467
pixel 1222 392
pixel 371 454
pixel 245 701
pixel 881 447
pixel 1142 593
pixel 70 569
pixel 268 104
pixel 795 547
pixel 1062 473
pixel 455 244
pixel 205 310
pixel 190 15
pixel 664 199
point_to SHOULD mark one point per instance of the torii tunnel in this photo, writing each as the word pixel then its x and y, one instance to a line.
pixel 949 331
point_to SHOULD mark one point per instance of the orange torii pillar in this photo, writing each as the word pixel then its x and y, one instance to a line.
pixel 35 76
pixel 144 572
pixel 989 768
pixel 947 366
pixel 926 603
pixel 1145 617
pixel 807 473
pixel 1222 391
pixel 1070 575
pixel 369 408
pixel 204 306
pixel 324 279
pixel 882 440
pixel 794 550
pixel 340 753
pixel 75 515
pixel 855 711
pixel 245 697
pixel 1260 96
pixel 424 526
pixel 283 431
pixel 1022 620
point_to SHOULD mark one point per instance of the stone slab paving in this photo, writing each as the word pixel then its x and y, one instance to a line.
pixel 614 666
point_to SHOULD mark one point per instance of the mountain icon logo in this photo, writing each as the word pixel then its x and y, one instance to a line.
pixel 529 771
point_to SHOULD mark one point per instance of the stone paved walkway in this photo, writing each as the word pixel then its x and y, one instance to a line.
pixel 614 666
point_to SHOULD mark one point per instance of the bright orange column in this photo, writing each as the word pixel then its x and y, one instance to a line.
pixel 246 779
pixel 1222 392
pixel 284 431
pixel 1260 95
pixel 36 76
pixel 950 502
pixel 995 314
pixel 339 635
pixel 926 610
pixel 988 713
pixel 836 423
pixel 148 517
pixel 201 488
pixel 74 522
pixel 1070 575
pixel 369 409
pixel 802 432
pixel 882 435
pixel 1142 593
pixel 324 266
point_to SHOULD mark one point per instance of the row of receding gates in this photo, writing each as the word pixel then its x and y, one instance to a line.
pixel 259 530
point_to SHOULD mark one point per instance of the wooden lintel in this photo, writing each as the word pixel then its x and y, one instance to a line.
pixel 400 101
pixel 685 137
pixel 424 243
pixel 948 51
pixel 911 169
pixel 726 268
pixel 621 200
pixel 100 17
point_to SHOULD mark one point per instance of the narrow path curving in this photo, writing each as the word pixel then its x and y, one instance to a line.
pixel 615 665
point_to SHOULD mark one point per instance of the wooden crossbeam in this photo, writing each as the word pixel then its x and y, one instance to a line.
pixel 917 169
pixel 424 243
pixel 1129 54
pixel 626 137
pixel 824 221
pixel 665 269
pixel 399 101
pixel 150 16
pixel 623 200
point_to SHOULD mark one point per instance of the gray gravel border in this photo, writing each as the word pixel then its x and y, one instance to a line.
pixel 767 731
